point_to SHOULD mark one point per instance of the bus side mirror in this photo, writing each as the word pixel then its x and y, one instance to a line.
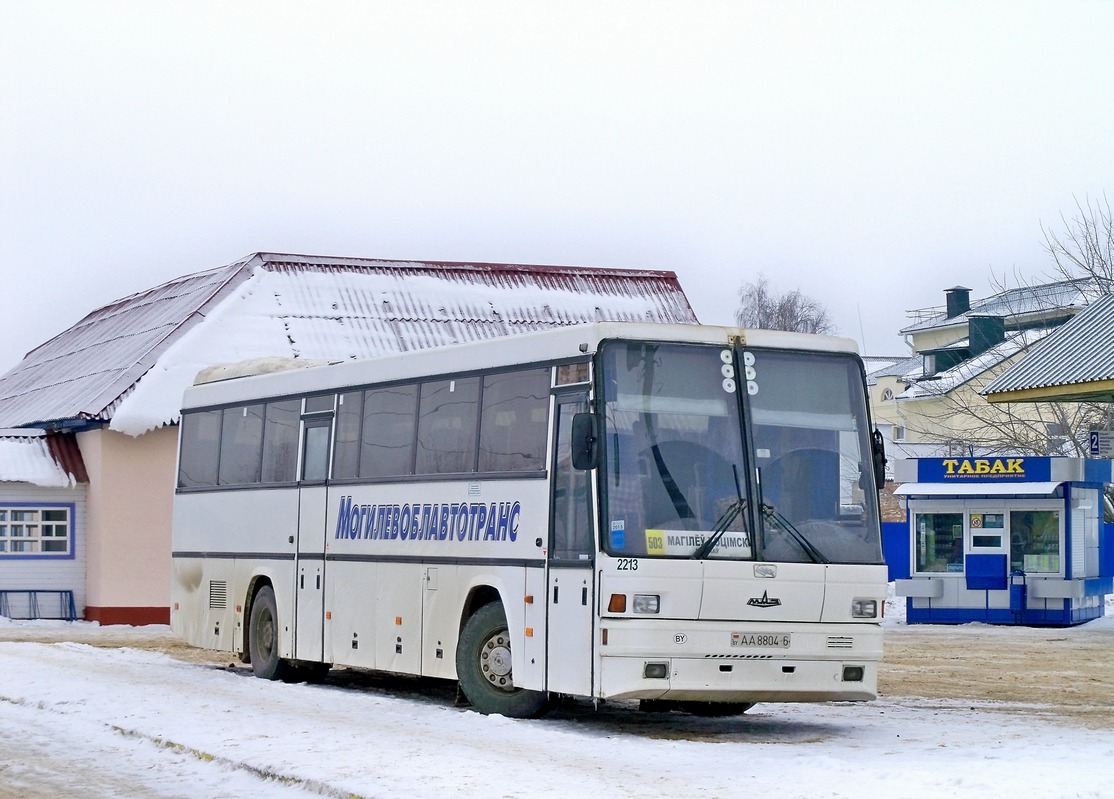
pixel 878 449
pixel 585 454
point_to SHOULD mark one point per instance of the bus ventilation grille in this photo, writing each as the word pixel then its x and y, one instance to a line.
pixel 841 642
pixel 218 594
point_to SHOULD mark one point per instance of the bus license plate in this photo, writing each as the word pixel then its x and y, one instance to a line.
pixel 761 640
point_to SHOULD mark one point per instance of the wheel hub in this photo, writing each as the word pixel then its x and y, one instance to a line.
pixel 495 661
pixel 266 635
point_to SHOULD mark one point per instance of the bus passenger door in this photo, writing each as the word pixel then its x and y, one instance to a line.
pixel 309 566
pixel 570 597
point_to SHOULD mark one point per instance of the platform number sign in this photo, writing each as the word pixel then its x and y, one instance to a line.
pixel 1102 443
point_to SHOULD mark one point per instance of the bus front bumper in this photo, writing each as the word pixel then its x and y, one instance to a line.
pixel 725 662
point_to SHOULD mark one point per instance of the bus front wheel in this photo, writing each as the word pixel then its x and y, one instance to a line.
pixel 483 666
pixel 263 637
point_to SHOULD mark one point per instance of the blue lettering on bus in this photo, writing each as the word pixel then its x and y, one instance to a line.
pixel 344 517
pixel 406 523
pixel 489 525
pixel 475 521
pixel 503 523
pixel 481 521
pixel 460 520
pixel 473 513
pixel 516 511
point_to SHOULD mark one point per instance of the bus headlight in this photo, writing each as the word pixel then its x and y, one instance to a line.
pixel 646 603
pixel 864 608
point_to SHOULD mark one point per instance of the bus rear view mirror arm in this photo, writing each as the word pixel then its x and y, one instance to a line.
pixel 585 436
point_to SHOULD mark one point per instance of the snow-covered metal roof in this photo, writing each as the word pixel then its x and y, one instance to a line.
pixel 128 363
pixel 81 373
pixel 1076 362
pixel 33 456
pixel 1025 301
pixel 946 381
pixel 891 367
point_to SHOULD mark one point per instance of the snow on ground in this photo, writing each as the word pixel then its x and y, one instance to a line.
pixel 127 722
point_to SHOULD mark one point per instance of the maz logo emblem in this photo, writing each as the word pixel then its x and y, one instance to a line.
pixel 764 602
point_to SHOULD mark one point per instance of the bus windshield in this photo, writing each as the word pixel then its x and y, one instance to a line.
pixel 678 481
pixel 673 465
pixel 813 457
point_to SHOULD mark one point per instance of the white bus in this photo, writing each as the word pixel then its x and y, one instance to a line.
pixel 683 515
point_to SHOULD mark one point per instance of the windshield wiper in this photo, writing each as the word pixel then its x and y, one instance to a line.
pixel 770 512
pixel 676 496
pixel 724 521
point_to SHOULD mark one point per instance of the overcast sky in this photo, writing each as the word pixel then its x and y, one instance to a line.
pixel 871 154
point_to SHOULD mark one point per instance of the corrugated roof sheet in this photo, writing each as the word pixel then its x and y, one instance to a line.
pixel 950 379
pixel 39 458
pixel 377 307
pixel 82 372
pixel 139 350
pixel 1079 354
pixel 1069 295
pixel 893 367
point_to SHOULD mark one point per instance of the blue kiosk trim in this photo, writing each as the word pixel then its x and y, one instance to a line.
pixel 1010 540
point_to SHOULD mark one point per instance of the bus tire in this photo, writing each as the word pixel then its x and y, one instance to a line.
pixel 483 667
pixel 263 637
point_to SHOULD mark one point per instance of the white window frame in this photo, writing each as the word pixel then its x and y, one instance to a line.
pixel 1002 532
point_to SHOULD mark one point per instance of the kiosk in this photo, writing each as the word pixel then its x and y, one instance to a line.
pixel 1002 540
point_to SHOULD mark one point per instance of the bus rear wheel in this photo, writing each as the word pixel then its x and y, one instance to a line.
pixel 483 666
pixel 263 637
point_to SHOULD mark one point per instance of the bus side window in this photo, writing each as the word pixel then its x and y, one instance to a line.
pixel 514 421
pixel 280 441
pixel 315 450
pixel 241 445
pixel 447 424
pixel 200 456
pixel 572 529
pixel 346 450
pixel 387 442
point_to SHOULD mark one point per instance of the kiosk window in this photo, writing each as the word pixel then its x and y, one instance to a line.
pixel 1035 541
pixel 987 530
pixel 939 542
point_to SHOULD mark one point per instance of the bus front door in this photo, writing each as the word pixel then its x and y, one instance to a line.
pixel 570 597
pixel 309 565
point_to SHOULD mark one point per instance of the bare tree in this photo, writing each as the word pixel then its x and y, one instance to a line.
pixel 760 306
pixel 1085 249
pixel 976 426
pixel 1083 252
